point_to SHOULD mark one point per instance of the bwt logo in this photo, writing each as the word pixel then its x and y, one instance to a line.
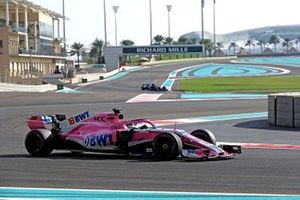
pixel 78 118
pixel 100 140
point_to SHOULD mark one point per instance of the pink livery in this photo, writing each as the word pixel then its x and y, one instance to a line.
pixel 108 132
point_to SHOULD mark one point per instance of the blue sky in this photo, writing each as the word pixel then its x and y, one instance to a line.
pixel 86 17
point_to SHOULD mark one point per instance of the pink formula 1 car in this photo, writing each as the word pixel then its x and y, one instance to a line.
pixel 108 132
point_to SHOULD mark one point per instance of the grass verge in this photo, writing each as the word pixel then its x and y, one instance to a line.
pixel 265 84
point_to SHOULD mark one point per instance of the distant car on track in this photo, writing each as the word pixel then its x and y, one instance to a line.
pixel 108 132
pixel 153 87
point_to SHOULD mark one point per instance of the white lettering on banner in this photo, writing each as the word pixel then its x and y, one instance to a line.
pixel 163 49
pixel 177 49
pixel 152 50
pixel 140 50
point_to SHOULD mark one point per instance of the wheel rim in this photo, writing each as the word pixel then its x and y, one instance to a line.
pixel 165 146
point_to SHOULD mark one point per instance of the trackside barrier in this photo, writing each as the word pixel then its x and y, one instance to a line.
pixel 284 109
pixel 84 80
pixel 60 86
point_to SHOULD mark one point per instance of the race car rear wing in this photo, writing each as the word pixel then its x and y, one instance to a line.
pixel 36 122
pixel 40 122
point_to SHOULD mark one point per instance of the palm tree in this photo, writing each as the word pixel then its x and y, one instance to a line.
pixel 218 47
pixel 262 45
pixel 287 43
pixel 208 46
pixel 158 39
pixel 274 40
pixel 233 45
pixel 97 50
pixel 77 49
pixel 182 40
pixel 168 40
pixel 127 42
pixel 249 43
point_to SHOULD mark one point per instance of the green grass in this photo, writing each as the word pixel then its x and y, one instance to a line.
pixel 264 84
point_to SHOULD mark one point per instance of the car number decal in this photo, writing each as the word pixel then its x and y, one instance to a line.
pixel 78 118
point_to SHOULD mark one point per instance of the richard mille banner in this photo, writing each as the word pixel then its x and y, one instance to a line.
pixel 163 49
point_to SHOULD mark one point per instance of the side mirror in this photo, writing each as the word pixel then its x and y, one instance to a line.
pixel 116 110
pixel 121 116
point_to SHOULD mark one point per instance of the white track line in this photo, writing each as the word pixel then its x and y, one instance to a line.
pixel 145 97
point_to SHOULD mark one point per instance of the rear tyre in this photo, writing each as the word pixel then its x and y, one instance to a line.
pixel 167 146
pixel 36 145
pixel 205 135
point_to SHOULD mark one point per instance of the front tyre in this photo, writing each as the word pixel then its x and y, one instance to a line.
pixel 205 135
pixel 167 146
pixel 37 145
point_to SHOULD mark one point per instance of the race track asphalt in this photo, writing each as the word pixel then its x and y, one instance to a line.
pixel 254 171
